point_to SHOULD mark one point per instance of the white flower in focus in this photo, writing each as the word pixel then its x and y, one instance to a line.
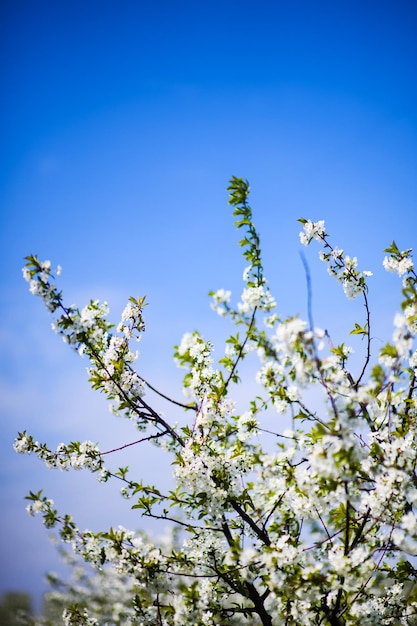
pixel 21 445
pixel 392 264
pixel 256 297
pixel 312 230
pixel 131 320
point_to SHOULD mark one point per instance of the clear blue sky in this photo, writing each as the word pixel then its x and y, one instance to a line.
pixel 121 124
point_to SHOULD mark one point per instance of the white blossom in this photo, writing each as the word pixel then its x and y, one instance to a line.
pixel 312 230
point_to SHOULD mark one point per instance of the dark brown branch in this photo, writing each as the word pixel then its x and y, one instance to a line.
pixel 239 356
pixel 368 348
pixel 133 443
pixel 261 534
pixel 193 407
pixel 271 512
pixel 154 416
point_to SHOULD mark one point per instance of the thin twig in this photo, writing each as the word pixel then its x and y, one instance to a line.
pixel 193 407
pixel 133 443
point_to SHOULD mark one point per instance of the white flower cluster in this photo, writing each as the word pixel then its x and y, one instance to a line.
pixel 195 353
pixel 256 297
pixel 340 266
pixel 118 379
pixel 312 230
pixel 39 506
pixel 117 350
pixel 132 323
pixel 76 455
pixel 303 525
pixel 400 265
pixel 88 332
pixel 41 285
pixel 293 342
pixel 23 443
pixel 247 426
pixel 197 349
pixel 343 268
pixel 86 456
pixel 88 326
pixel 207 474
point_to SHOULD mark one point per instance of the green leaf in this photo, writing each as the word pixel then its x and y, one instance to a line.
pixel 393 249
pixel 359 330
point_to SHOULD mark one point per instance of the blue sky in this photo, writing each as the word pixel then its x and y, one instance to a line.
pixel 121 125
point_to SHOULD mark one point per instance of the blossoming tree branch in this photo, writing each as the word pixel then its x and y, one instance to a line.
pixel 317 527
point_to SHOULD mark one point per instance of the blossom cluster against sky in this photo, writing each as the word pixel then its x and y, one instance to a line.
pixel 121 126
